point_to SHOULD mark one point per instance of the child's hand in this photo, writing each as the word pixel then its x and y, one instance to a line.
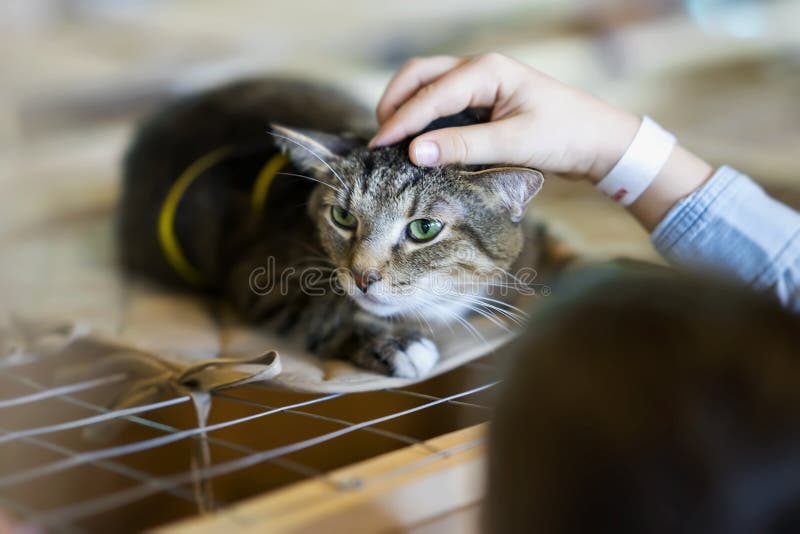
pixel 536 120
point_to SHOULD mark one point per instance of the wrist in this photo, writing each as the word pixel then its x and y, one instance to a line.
pixel 683 174
pixel 613 136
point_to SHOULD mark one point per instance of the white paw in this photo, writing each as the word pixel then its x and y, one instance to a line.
pixel 416 361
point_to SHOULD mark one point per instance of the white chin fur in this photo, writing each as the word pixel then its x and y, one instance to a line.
pixel 433 314
pixel 381 310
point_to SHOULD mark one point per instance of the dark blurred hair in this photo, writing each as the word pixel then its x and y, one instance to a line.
pixel 650 402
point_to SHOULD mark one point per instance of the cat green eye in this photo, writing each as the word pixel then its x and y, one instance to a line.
pixel 343 218
pixel 422 230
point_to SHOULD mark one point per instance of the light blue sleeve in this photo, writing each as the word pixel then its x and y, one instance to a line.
pixel 731 226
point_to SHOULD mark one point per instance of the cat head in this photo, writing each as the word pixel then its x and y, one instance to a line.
pixel 407 239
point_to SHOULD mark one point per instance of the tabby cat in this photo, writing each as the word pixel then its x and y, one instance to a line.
pixel 210 202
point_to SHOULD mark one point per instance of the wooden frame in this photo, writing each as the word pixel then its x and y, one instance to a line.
pixel 436 486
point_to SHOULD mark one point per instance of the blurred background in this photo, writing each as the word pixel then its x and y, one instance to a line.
pixel 76 74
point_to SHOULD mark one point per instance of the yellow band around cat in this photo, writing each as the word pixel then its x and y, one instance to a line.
pixel 166 220
pixel 258 197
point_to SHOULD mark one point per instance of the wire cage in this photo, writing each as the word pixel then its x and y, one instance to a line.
pixel 161 465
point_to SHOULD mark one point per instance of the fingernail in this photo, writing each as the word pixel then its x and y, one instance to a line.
pixel 426 153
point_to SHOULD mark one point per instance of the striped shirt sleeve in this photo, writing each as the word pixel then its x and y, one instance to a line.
pixel 731 226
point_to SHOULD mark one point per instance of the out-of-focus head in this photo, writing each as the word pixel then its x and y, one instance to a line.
pixel 649 403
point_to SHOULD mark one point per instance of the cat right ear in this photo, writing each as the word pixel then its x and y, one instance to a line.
pixel 512 187
pixel 310 150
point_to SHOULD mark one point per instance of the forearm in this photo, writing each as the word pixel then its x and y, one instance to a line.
pixel 731 226
pixel 682 173
pixel 721 221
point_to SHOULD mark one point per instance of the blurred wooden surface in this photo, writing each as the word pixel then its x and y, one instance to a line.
pixel 403 491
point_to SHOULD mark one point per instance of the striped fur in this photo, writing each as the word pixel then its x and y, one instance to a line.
pixel 379 328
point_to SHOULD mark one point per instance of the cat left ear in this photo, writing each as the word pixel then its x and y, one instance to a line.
pixel 513 187
pixel 310 150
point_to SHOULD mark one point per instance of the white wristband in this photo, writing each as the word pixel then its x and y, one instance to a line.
pixel 641 163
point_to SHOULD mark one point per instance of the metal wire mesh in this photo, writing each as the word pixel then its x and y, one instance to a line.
pixel 258 440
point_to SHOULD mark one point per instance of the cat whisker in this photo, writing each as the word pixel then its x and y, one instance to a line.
pixel 468 327
pixel 504 288
pixel 521 313
pixel 516 319
pixel 422 318
pixel 490 316
pixel 301 145
pixel 511 276
pixel 475 304
pixel 518 287
pixel 506 305
pixel 339 191
pixel 415 317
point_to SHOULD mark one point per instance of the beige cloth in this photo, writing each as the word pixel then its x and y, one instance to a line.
pixel 60 283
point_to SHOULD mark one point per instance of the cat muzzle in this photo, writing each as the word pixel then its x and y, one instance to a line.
pixel 365 279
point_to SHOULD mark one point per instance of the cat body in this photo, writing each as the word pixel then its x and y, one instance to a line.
pixel 359 249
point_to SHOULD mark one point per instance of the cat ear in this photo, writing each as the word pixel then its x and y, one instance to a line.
pixel 513 187
pixel 310 150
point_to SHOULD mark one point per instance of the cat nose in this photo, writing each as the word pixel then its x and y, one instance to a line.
pixel 365 279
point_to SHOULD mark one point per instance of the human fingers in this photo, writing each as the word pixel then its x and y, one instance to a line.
pixel 491 142
pixel 415 74
pixel 473 84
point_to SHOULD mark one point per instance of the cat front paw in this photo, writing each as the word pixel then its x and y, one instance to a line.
pixel 405 356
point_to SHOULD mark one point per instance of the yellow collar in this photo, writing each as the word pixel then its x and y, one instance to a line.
pixel 166 218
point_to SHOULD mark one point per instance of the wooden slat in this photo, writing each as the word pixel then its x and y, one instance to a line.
pixel 406 490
